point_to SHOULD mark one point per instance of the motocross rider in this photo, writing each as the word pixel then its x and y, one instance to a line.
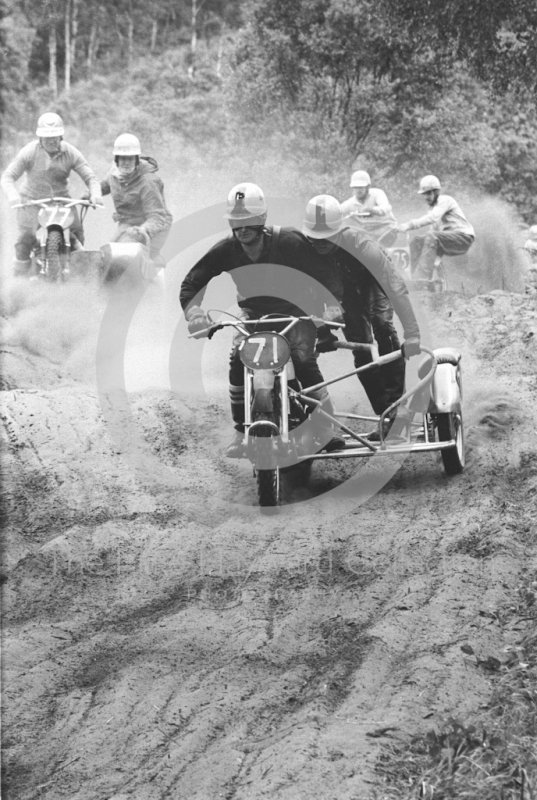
pixel 47 163
pixel 138 195
pixel 371 290
pixel 264 288
pixel 381 223
pixel 451 233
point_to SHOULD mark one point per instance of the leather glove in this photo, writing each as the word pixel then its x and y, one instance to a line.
pixel 197 320
pixel 325 340
pixel 411 347
pixel 403 227
pixel 95 197
pixel 333 314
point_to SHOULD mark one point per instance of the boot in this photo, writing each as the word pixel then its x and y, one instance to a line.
pixel 325 427
pixel 236 447
pixel 21 268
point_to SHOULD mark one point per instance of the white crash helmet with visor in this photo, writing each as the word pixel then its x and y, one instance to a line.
pixel 323 218
pixel 246 206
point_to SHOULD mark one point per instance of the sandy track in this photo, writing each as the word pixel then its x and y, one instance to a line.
pixel 164 639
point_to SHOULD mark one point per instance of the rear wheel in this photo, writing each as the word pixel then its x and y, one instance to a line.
pixel 450 427
pixel 53 257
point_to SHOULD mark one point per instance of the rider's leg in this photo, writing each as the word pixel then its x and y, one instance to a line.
pixel 155 246
pixel 423 268
pixel 302 341
pixel 393 374
pixel 77 231
pixel 26 241
pixel 358 329
pixel 454 243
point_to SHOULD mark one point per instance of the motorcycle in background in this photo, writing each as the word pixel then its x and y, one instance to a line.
pixel 399 251
pixel 51 259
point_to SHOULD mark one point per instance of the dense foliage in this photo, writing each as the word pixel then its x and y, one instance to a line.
pixel 399 87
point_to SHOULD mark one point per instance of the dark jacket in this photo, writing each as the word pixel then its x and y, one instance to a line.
pixel 139 199
pixel 268 286
pixel 359 261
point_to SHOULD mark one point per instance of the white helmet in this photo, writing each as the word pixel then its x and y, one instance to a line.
pixel 323 217
pixel 246 203
pixel 428 183
pixel 360 179
pixel 127 145
pixel 49 125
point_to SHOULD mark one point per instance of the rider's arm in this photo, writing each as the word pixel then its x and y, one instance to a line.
pixel 382 269
pixel 436 213
pixel 208 267
pixel 382 205
pixel 78 163
pixel 15 170
pixel 105 187
pixel 157 217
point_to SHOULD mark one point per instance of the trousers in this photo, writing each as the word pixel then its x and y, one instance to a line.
pixel 425 248
pixel 363 317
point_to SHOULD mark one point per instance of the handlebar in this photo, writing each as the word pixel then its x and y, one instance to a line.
pixel 211 330
pixel 68 202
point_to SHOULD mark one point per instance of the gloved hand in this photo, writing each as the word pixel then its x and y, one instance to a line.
pixel 14 198
pixel 333 314
pixel 137 234
pixel 197 319
pixel 403 227
pixel 325 340
pixel 95 197
pixel 411 347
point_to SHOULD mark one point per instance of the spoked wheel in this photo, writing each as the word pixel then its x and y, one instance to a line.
pixel 268 479
pixel 53 257
pixel 450 427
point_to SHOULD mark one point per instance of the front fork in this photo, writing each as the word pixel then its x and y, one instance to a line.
pixel 42 237
pixel 264 379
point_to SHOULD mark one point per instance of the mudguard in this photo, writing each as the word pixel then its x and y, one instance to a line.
pixel 446 384
pixel 263 391
pixel 123 257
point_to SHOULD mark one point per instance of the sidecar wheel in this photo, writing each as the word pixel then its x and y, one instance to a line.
pixel 450 427
pixel 52 256
pixel 268 487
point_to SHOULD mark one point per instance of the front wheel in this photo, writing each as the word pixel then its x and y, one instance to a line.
pixel 268 487
pixel 52 256
pixel 450 427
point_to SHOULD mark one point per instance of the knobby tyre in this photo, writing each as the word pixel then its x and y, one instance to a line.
pixel 53 257
pixel 268 480
pixel 450 427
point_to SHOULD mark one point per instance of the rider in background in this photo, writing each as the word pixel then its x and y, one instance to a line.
pixel 451 233
pixel 264 289
pixel 138 195
pixel 47 163
pixel 372 289
pixel 367 200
